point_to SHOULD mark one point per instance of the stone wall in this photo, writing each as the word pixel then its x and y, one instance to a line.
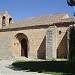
pixel 36 43
pixel 5 45
pixel 51 37
pixel 42 42
pixel 62 42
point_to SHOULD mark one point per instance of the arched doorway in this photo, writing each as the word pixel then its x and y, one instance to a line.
pixel 24 47
pixel 21 45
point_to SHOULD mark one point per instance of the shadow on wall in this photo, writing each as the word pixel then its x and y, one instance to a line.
pixel 41 53
pixel 62 47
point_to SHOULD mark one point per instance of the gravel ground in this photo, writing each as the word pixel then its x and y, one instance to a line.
pixel 7 69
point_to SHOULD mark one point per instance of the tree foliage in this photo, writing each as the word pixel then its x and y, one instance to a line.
pixel 72 49
pixel 71 2
pixel 72 42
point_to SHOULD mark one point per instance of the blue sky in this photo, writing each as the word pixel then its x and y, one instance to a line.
pixel 20 9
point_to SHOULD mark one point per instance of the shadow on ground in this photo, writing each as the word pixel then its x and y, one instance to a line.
pixel 47 66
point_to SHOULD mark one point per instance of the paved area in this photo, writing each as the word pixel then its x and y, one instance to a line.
pixel 7 69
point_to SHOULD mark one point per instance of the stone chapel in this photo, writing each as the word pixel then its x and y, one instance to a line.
pixel 41 37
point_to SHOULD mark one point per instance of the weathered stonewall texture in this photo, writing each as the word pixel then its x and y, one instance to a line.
pixel 51 42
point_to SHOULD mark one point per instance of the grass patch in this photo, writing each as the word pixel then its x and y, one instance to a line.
pixel 51 67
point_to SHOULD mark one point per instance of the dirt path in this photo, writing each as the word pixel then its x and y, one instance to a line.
pixel 7 69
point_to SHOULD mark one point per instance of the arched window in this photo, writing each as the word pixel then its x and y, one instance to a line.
pixel 3 20
pixel 59 32
pixel 10 20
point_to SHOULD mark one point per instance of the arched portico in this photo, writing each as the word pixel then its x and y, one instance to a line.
pixel 22 47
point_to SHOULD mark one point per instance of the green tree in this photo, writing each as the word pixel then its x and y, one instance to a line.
pixel 71 2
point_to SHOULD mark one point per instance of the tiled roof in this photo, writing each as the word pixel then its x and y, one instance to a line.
pixel 41 20
pixel 68 20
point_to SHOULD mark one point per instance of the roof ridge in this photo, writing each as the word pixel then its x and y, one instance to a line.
pixel 41 16
pixel 48 15
pixel 1 13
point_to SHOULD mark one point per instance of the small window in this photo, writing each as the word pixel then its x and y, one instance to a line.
pixel 59 32
pixel 3 20
pixel 10 20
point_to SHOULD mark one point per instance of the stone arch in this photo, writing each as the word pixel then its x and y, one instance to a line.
pixel 3 21
pixel 23 44
pixel 10 20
